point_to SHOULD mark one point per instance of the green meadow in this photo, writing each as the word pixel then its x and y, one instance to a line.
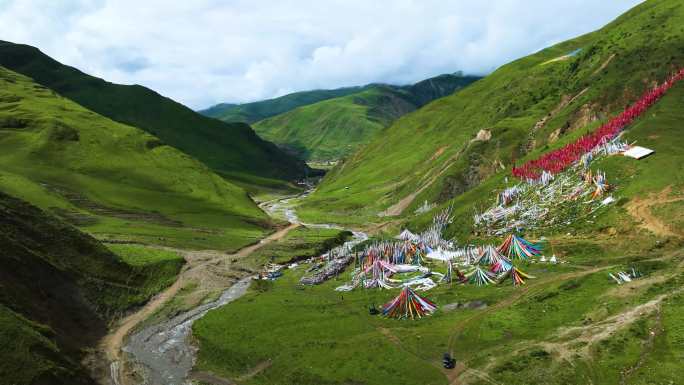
pixel 314 335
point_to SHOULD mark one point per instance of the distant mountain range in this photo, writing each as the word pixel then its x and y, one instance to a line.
pixel 331 124
pixel 256 111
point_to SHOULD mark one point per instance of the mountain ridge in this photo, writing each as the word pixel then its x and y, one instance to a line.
pixel 233 150
pixel 332 129
pixel 524 107
pixel 114 180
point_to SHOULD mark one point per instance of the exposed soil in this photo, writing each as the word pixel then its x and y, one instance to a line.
pixel 258 368
pixel 578 340
pixel 603 65
pixel 646 350
pixel 469 375
pixel 210 378
pixel 640 209
pixel 566 100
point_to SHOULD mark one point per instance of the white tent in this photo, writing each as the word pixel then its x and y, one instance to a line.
pixel 638 152
pixel 406 235
pixel 442 255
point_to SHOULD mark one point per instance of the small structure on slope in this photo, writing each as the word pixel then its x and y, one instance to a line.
pixel 515 247
pixel 480 277
pixel 516 275
pixel 407 305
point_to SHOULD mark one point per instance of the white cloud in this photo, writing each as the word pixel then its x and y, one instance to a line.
pixel 205 52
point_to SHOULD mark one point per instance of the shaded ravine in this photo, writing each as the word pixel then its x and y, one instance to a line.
pixel 163 353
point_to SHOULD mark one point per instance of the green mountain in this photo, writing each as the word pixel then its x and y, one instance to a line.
pixel 232 150
pixel 60 288
pixel 524 108
pixel 335 128
pixel 256 111
pixel 114 180
pixel 572 323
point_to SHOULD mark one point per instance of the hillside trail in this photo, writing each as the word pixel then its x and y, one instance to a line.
pixel 399 207
pixel 565 339
pixel 640 210
pixel 197 269
pixel 459 377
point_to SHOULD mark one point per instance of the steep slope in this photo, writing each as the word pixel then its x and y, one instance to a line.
pixel 571 324
pixel 60 288
pixel 528 106
pixel 115 180
pixel 256 111
pixel 335 128
pixel 233 150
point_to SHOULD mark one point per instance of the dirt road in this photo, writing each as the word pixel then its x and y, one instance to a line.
pixel 201 265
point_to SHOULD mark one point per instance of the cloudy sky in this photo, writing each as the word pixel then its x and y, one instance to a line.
pixel 203 52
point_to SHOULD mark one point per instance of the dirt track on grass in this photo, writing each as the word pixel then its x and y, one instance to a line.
pixel 404 203
pixel 640 209
pixel 531 288
pixel 200 268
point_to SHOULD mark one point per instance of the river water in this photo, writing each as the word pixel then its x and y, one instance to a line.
pixel 164 352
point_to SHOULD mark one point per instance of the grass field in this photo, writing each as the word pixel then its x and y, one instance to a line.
pixel 314 335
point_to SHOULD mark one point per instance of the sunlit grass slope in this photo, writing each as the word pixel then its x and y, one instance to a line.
pixel 114 180
pixel 335 128
pixel 522 109
pixel 256 111
pixel 233 150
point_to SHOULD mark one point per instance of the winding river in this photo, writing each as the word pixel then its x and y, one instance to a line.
pixel 164 353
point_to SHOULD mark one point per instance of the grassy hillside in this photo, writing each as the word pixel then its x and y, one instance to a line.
pixel 113 180
pixel 256 111
pixel 233 150
pixel 331 129
pixel 335 128
pixel 524 108
pixel 60 288
pixel 572 324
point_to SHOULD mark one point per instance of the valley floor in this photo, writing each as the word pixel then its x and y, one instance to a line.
pixel 572 324
pixel 205 273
